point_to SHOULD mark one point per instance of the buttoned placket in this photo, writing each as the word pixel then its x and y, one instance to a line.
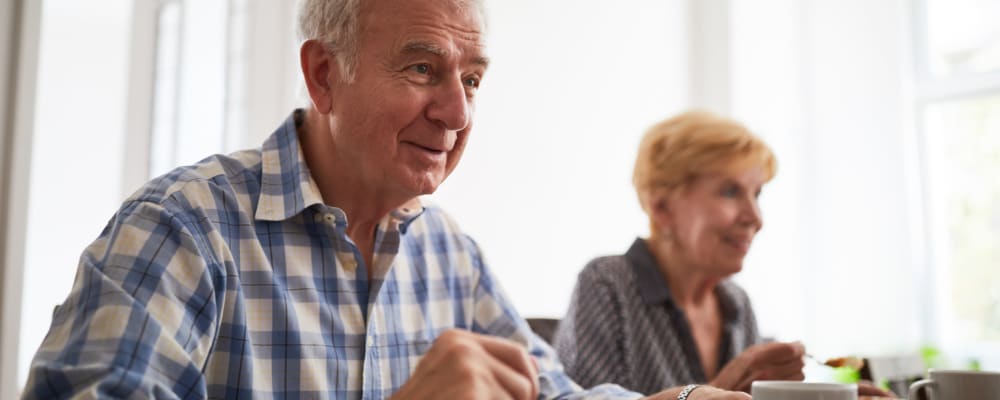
pixel 383 257
pixel 385 248
pixel 348 262
pixel 372 377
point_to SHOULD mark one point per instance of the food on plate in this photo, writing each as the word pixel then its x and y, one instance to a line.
pixel 854 363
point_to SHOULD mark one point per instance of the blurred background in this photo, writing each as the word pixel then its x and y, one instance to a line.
pixel 882 227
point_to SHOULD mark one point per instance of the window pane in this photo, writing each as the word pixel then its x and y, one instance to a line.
pixel 964 163
pixel 963 36
pixel 164 152
pixel 190 87
pixel 202 86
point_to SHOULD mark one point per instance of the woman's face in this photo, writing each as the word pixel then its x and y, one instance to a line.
pixel 711 222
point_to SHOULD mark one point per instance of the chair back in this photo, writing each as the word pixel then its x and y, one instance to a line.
pixel 544 327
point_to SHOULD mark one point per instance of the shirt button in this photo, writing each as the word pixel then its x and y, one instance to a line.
pixel 350 265
pixel 329 218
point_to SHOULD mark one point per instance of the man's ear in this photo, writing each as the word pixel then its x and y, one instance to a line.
pixel 320 70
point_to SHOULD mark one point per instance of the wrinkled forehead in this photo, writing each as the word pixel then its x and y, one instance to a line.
pixel 476 7
pixel 441 27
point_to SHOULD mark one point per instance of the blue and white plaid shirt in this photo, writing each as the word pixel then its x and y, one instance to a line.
pixel 232 279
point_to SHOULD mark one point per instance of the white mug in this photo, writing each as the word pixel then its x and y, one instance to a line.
pixel 958 385
pixel 792 390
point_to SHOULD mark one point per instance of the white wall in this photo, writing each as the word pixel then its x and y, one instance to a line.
pixel 545 183
pixel 270 82
pixel 826 84
pixel 768 96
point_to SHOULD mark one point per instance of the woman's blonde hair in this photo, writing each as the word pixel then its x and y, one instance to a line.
pixel 674 152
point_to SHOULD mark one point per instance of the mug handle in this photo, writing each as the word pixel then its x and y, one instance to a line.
pixel 916 386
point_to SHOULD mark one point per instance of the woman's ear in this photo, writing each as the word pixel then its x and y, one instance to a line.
pixel 659 209
pixel 320 70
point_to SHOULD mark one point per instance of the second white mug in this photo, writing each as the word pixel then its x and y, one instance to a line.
pixel 958 385
pixel 792 390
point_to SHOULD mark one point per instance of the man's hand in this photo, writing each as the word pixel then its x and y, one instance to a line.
pixel 465 365
pixel 768 361
pixel 703 392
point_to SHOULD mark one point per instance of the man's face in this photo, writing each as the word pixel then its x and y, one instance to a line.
pixel 405 118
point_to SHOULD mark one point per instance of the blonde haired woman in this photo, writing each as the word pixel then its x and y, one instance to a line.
pixel 664 313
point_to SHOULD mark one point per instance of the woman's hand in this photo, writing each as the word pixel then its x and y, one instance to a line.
pixel 767 361
pixel 867 390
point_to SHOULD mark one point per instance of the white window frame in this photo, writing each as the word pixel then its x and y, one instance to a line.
pixel 928 90
pixel 20 28
pixel 142 75
pixel 261 52
pixel 19 41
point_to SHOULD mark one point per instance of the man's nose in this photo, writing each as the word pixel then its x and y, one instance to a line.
pixel 450 105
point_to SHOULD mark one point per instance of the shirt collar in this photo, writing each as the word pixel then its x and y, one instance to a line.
pixel 287 186
pixel 400 218
pixel 653 286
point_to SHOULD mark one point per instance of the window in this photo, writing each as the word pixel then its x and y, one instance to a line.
pixel 75 156
pixel 963 160
pixel 99 68
pixel 193 62
pixel 962 36
pixel 958 106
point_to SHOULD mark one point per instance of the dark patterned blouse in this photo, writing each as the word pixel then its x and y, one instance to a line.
pixel 623 326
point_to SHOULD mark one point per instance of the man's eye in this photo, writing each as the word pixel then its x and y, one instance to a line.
pixel 730 191
pixel 472 82
pixel 422 68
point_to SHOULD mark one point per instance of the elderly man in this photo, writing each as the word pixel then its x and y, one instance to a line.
pixel 308 268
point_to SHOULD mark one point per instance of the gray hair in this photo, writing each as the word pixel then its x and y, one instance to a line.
pixel 335 23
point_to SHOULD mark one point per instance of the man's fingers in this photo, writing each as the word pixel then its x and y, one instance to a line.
pixel 517 385
pixel 510 353
pixel 513 355
pixel 508 363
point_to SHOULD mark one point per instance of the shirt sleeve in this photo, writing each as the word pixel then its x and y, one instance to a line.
pixel 140 319
pixel 589 338
pixel 495 315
